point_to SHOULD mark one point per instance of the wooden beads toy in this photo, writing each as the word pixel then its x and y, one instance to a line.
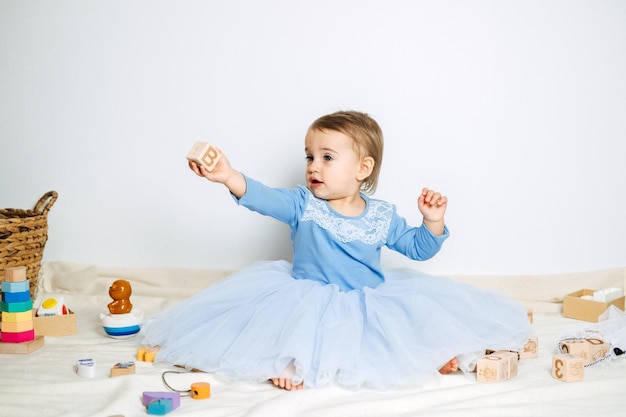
pixel 200 390
pixel 204 154
pixel 567 368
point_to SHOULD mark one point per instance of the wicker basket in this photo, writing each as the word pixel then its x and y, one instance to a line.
pixel 23 236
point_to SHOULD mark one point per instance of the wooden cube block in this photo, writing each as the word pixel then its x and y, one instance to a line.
pixel 204 154
pixel 530 349
pixel 123 368
pixel 511 359
pixel 491 368
pixel 15 274
pixel 568 368
pixel 590 350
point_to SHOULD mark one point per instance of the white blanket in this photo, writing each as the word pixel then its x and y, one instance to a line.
pixel 44 382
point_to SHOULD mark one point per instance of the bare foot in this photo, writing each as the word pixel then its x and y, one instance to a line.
pixel 285 382
pixel 451 366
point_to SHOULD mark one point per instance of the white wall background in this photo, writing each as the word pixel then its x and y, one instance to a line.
pixel 514 109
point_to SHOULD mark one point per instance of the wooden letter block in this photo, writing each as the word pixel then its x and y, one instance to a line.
pixel 568 368
pixel 204 154
pixel 15 274
pixel 491 368
pixel 530 349
pixel 123 368
pixel 512 361
pixel 590 350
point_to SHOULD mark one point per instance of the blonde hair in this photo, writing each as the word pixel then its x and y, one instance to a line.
pixel 367 136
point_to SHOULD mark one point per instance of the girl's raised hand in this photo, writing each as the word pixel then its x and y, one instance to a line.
pixel 222 173
pixel 432 205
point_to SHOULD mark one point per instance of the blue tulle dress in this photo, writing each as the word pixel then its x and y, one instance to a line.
pixel 333 314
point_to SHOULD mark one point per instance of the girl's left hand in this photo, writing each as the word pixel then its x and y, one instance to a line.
pixel 432 205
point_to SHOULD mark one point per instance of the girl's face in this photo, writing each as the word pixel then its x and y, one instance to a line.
pixel 333 165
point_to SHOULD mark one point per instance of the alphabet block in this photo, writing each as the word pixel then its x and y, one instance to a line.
pixel 590 350
pixel 530 349
pixel 491 368
pixel 15 274
pixel 511 360
pixel 568 368
pixel 204 154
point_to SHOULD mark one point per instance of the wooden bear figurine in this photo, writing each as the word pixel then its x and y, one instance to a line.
pixel 120 292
